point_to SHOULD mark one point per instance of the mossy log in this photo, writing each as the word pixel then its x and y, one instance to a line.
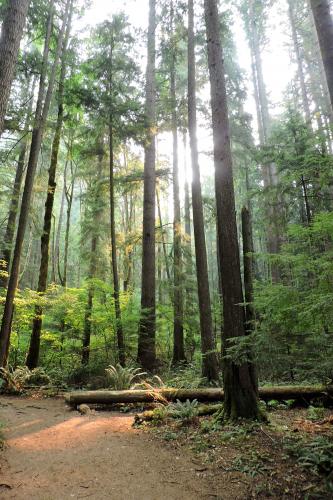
pixel 282 393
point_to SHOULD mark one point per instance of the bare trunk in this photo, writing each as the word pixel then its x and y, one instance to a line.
pixel 178 299
pixel 264 124
pixel 164 245
pixel 239 386
pixel 69 193
pixel 11 34
pixel 10 229
pixel 116 288
pixel 209 358
pixel 56 253
pixel 301 75
pixel 324 26
pixel 93 264
pixel 147 327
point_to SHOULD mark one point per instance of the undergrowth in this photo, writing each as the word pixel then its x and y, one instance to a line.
pixel 315 455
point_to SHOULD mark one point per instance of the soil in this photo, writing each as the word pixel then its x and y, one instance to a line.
pixel 256 456
pixel 54 453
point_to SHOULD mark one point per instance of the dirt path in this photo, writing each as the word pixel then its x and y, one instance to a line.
pixel 52 453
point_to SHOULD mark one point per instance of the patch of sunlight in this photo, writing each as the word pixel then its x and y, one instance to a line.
pixel 73 433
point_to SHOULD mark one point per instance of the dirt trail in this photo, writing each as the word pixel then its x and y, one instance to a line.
pixel 53 453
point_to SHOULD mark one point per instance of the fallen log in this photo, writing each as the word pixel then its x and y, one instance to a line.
pixel 282 393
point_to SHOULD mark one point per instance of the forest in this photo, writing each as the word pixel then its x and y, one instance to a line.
pixel 166 213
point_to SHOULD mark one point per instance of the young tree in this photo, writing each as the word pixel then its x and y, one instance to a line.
pixel 209 359
pixel 178 299
pixel 240 386
pixel 147 327
pixel 10 38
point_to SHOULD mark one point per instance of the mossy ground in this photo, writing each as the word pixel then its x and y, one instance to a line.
pixel 257 455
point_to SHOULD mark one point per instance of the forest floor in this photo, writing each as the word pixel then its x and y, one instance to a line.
pixel 53 453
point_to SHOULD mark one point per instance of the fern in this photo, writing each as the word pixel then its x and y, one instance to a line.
pixel 121 378
pixel 186 411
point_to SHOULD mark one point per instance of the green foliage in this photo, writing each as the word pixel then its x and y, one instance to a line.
pixel 186 411
pixel 253 464
pixel 186 377
pixel 294 340
pixel 316 455
pixel 22 377
pixel 121 378
pixel 315 413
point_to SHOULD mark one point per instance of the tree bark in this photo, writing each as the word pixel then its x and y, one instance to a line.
pixel 11 34
pixel 283 393
pixel 93 262
pixel 264 125
pixel 56 254
pixel 147 327
pixel 116 287
pixel 324 26
pixel 239 387
pixel 209 358
pixel 190 306
pixel 299 60
pixel 69 193
pixel 248 263
pixel 164 244
pixel 41 114
pixel 248 251
pixel 178 299
pixel 34 346
pixel 14 203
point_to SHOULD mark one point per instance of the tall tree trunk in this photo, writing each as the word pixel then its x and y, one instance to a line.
pixel 147 327
pixel 209 358
pixel 264 126
pixel 248 251
pixel 187 201
pixel 89 306
pixel 299 60
pixel 240 388
pixel 93 262
pixel 69 193
pixel 178 299
pixel 14 203
pixel 37 137
pixel 320 91
pixel 56 254
pixel 116 288
pixel 164 244
pixel 11 34
pixel 324 26
pixel 189 295
pixel 34 346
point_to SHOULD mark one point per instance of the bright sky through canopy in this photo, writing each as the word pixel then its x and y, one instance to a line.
pixel 276 60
